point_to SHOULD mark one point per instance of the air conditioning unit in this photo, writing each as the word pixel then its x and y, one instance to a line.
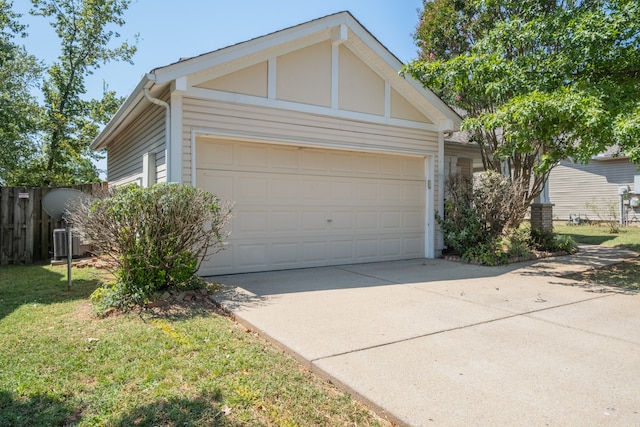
pixel 60 244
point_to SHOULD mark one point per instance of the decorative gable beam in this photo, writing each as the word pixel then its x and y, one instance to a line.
pixel 339 34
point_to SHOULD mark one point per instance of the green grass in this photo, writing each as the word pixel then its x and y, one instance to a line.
pixel 622 275
pixel 628 237
pixel 63 366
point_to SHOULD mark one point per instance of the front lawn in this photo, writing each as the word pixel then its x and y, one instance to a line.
pixel 628 237
pixel 63 366
pixel 624 275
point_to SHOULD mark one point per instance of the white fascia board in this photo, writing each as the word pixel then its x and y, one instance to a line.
pixel 435 100
pixel 231 53
pixel 123 113
pixel 237 98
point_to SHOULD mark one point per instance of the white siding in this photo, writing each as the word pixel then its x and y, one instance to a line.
pixel 143 135
pixel 572 185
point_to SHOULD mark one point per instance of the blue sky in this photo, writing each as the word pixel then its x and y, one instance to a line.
pixel 173 29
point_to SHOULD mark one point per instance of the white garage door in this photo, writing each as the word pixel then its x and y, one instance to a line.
pixel 304 207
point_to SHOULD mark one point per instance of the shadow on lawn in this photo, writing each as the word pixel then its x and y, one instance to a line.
pixel 44 410
pixel 199 411
pixel 29 284
pixel 38 410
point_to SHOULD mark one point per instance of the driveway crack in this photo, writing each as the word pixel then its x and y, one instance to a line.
pixel 471 325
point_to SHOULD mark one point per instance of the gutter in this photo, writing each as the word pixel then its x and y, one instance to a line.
pixel 123 112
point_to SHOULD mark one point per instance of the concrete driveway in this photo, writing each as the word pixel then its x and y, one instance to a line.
pixel 435 342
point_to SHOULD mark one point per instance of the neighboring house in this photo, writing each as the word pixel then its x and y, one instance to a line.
pixel 574 185
pixel 330 156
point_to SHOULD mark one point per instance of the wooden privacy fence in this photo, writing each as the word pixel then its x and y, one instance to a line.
pixel 26 230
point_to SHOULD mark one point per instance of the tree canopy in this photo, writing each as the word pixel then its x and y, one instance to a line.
pixel 538 80
pixel 56 134
pixel 19 73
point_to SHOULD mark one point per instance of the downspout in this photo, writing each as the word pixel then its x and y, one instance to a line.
pixel 167 129
pixel 441 178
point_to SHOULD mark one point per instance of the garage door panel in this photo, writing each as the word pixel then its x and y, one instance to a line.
pixel 413 193
pixel 297 207
pixel 367 165
pixel 391 246
pixel 283 254
pixel 413 168
pixel 251 188
pixel 341 162
pixel 313 252
pixel 391 220
pixel 313 160
pixel 253 155
pixel 253 255
pixel 367 191
pixel 284 189
pixel 343 191
pixel 315 221
pixel 367 248
pixel 223 259
pixel 342 220
pixel 367 221
pixel 412 220
pixel 413 246
pixel 255 222
pixel 284 158
pixel 391 167
pixel 285 221
pixel 391 192
pixel 341 250
pixel 316 190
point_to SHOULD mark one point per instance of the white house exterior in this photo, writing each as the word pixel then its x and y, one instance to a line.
pixel 330 156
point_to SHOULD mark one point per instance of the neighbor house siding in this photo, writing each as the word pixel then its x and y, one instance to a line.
pixel 144 135
pixel 573 185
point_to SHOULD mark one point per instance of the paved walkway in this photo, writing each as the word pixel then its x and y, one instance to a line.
pixel 435 342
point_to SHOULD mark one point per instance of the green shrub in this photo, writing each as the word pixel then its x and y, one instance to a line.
pixel 157 237
pixel 518 242
pixel 489 253
pixel 478 212
pixel 565 244
pixel 548 241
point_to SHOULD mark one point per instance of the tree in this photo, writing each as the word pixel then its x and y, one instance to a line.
pixel 19 74
pixel 539 80
pixel 70 123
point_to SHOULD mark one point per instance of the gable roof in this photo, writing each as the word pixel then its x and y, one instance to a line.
pixel 340 27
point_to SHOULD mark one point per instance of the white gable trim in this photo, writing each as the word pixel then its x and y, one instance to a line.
pixel 290 39
pixel 216 95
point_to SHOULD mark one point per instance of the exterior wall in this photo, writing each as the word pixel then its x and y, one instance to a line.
pixel 144 135
pixel 572 185
pixel 361 89
pixel 402 109
pixel 305 75
pixel 254 123
pixel 249 81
